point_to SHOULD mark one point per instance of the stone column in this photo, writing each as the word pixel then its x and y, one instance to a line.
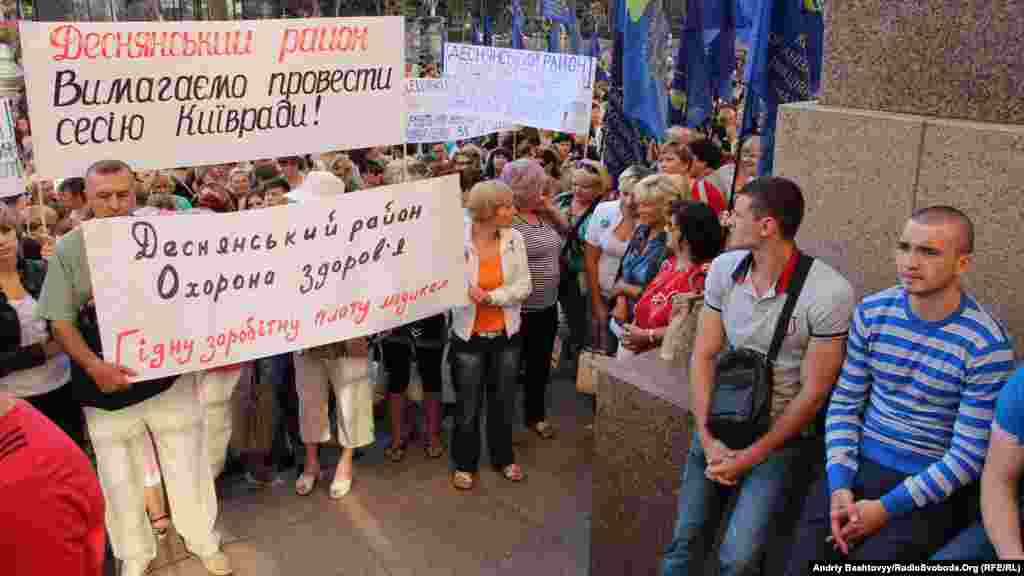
pixel 922 103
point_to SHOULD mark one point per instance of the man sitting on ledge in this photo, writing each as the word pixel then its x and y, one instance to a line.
pixel 744 295
pixel 908 422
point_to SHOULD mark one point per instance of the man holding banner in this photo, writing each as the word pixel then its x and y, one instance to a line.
pixel 118 411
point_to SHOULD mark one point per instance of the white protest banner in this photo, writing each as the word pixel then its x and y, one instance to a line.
pixel 428 103
pixel 165 94
pixel 180 293
pixel 539 89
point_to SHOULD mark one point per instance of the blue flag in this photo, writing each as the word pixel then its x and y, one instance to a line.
pixel 784 66
pixel 595 52
pixel 488 35
pixel 556 11
pixel 644 66
pixel 475 36
pixel 574 34
pixel 722 51
pixel 554 37
pixel 692 94
pixel 517 25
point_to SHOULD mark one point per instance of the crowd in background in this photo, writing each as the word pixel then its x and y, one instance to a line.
pixel 562 259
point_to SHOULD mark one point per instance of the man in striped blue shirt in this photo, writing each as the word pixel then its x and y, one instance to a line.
pixel 908 423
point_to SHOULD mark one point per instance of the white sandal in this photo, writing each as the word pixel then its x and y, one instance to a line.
pixel 304 484
pixel 340 487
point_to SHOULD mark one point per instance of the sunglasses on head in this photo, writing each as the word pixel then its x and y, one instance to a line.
pixel 588 167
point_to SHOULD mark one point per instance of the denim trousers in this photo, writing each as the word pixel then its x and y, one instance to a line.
pixel 910 537
pixel 484 367
pixel 971 545
pixel 762 493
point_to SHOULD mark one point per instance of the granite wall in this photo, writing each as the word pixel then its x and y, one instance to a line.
pixel 947 58
pixel 864 172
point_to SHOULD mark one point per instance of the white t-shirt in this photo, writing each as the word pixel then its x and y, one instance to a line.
pixel 601 233
pixel 41 379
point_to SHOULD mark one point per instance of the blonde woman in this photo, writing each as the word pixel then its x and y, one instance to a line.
pixel 590 183
pixel 486 343
pixel 607 238
pixel 647 249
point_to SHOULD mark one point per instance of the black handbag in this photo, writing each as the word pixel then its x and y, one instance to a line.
pixel 741 401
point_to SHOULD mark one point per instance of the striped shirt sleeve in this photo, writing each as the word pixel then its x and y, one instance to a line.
pixel 844 419
pixel 987 372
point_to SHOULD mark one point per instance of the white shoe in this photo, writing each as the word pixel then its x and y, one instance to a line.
pixel 340 487
pixel 217 564
pixel 134 567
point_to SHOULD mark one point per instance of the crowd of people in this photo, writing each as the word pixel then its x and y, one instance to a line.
pixel 561 258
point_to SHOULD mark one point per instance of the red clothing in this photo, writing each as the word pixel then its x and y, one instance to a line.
pixel 51 505
pixel 706 192
pixel 654 309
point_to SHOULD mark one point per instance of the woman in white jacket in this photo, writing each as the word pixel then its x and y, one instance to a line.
pixel 486 343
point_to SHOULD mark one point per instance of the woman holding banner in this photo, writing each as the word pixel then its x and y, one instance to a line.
pixel 342 365
pixel 486 342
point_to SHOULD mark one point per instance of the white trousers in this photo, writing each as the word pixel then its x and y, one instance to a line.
pixel 174 418
pixel 214 390
pixel 353 390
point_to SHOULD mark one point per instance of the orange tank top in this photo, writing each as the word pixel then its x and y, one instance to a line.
pixel 489 318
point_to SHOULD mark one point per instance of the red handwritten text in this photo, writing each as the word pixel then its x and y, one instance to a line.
pixel 133 343
pixel 323 39
pixel 250 332
pixel 356 312
pixel 72 44
pixel 400 301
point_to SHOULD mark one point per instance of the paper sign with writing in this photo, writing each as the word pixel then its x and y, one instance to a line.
pixel 163 94
pixel 180 293
pixel 538 89
pixel 431 120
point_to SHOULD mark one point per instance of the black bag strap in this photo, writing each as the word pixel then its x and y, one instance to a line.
pixel 796 285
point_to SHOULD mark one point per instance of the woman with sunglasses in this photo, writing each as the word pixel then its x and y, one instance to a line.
pixel 646 251
pixel 590 183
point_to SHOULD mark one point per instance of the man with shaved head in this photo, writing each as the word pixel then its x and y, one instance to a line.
pixel 908 423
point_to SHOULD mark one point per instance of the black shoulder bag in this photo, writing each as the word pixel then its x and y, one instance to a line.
pixel 741 402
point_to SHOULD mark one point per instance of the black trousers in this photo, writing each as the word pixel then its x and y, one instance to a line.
pixel 910 537
pixel 484 367
pixel 398 363
pixel 576 308
pixel 63 410
pixel 538 332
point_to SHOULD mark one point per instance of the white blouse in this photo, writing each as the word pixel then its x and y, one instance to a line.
pixel 41 379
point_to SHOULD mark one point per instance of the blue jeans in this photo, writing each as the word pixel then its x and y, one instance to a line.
pixel 970 545
pixel 762 495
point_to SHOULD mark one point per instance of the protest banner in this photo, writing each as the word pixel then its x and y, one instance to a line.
pixel 176 294
pixel 430 119
pixel 165 94
pixel 539 89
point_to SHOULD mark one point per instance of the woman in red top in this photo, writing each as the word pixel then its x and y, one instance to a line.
pixel 695 238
